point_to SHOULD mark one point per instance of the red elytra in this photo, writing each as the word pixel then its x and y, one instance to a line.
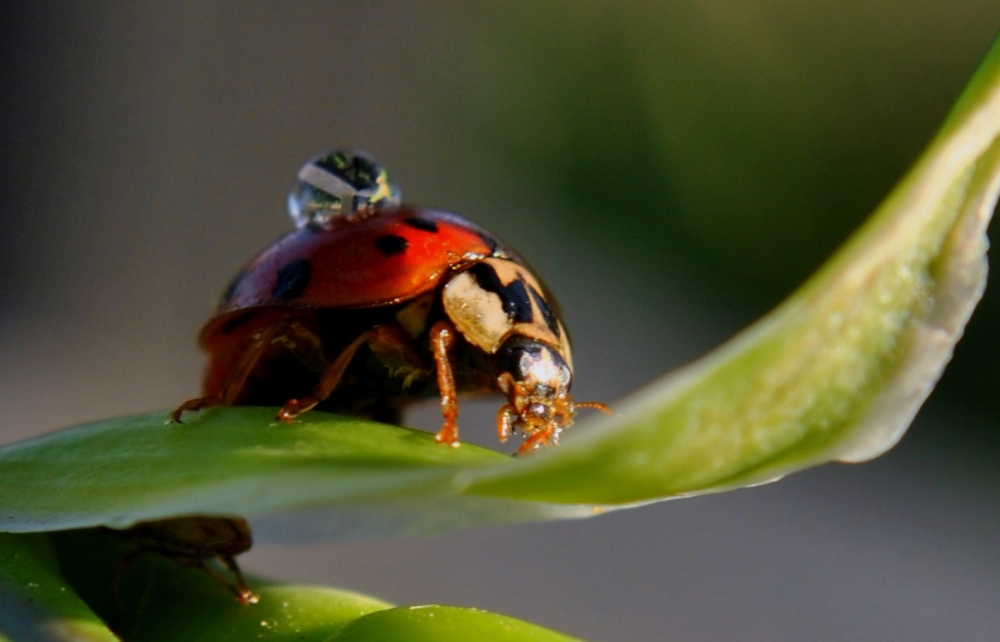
pixel 377 260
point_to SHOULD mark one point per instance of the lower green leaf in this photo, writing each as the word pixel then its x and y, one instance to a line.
pixel 162 601
pixel 36 602
pixel 443 624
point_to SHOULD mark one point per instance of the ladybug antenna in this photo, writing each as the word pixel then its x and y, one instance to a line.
pixel 340 184
pixel 596 405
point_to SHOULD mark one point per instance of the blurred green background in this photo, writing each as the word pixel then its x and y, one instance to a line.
pixel 673 170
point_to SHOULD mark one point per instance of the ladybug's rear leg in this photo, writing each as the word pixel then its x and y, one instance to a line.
pixel 390 344
pixel 442 339
pixel 230 392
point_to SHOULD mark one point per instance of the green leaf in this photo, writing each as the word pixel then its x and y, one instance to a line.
pixel 351 477
pixel 162 601
pixel 36 603
pixel 837 372
pixel 443 624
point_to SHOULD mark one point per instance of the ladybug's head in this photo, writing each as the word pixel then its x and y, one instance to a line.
pixel 340 184
pixel 536 380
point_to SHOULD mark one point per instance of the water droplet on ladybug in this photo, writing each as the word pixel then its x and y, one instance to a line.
pixel 340 184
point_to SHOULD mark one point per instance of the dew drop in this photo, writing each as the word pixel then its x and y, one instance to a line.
pixel 340 184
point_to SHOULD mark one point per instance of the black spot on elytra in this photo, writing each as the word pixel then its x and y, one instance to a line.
pixel 234 285
pixel 292 280
pixel 514 296
pixel 550 318
pixel 391 244
pixel 423 224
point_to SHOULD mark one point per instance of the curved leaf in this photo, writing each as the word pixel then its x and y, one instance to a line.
pixel 837 372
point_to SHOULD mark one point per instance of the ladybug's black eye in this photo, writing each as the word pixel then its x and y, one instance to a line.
pixel 340 183
pixel 517 355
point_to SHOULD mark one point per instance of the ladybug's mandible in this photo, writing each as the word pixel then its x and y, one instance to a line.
pixel 370 305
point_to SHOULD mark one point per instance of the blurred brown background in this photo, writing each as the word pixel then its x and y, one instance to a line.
pixel 672 169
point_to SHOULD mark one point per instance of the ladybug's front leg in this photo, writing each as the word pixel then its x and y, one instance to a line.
pixel 506 420
pixel 442 339
pixel 390 344
pixel 543 437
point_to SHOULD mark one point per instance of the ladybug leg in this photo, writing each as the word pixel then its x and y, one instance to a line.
pixel 507 415
pixel 505 422
pixel 192 405
pixel 442 339
pixel 238 377
pixel 390 344
pixel 543 437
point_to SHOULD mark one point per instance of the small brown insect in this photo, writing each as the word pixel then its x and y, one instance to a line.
pixel 192 542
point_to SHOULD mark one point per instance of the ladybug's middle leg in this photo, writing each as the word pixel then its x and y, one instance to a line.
pixel 390 344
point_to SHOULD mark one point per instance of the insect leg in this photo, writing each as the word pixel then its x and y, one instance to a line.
pixel 505 422
pixel 243 593
pixel 238 376
pixel 442 339
pixel 390 344
pixel 543 437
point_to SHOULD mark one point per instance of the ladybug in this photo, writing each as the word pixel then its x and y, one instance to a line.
pixel 370 305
